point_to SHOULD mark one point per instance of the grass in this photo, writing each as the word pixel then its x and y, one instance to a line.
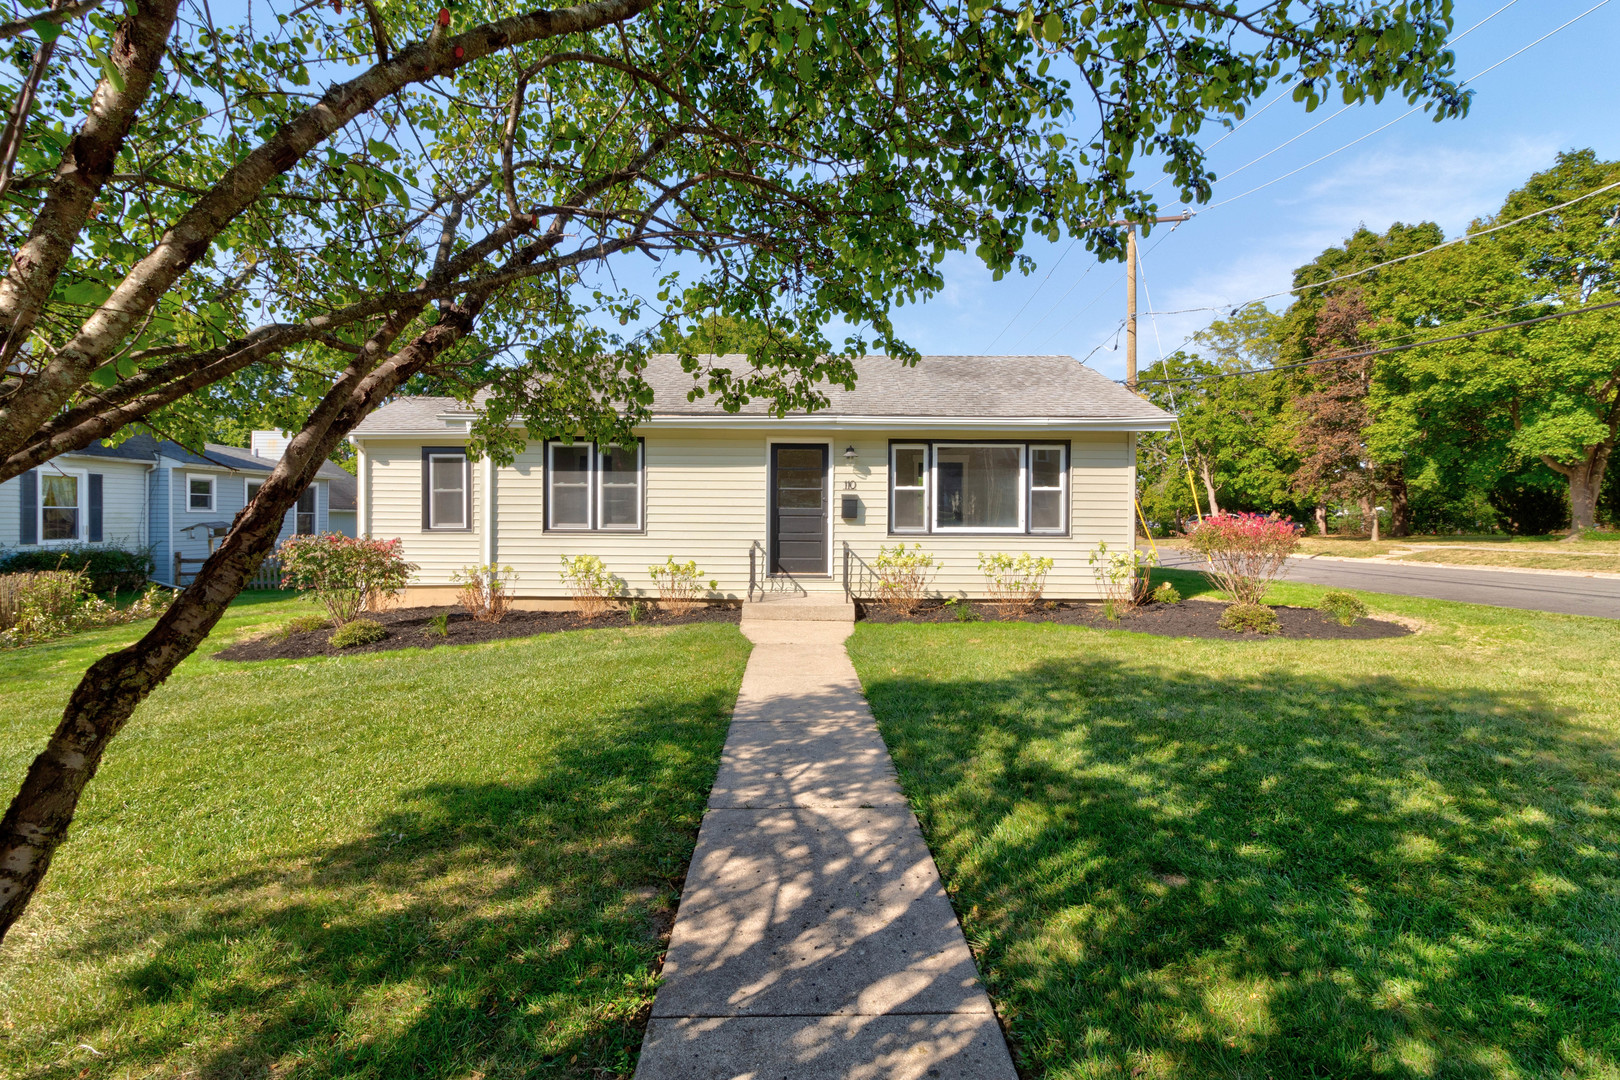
pixel 450 863
pixel 1605 562
pixel 1192 858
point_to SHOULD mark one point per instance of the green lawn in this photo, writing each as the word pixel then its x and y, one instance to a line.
pixel 1182 858
pixel 452 863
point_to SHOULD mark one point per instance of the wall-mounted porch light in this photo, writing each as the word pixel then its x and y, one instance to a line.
pixel 849 453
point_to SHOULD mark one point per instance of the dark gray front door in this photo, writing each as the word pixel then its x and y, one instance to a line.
pixel 798 509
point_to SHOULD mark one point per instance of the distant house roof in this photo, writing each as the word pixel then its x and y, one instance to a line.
pixel 145 447
pixel 954 388
pixel 341 490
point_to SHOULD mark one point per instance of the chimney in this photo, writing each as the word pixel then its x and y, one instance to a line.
pixel 269 444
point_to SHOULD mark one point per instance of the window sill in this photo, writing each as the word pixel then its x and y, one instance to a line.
pixel 448 529
pixel 594 532
pixel 981 533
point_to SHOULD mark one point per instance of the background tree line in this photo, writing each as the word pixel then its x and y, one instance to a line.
pixel 1512 430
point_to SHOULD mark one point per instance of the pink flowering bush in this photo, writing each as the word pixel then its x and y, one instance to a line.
pixel 1245 552
pixel 347 574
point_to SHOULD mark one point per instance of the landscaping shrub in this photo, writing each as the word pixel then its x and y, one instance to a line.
pixel 110 569
pixel 1244 551
pixel 904 575
pixel 347 574
pixel 484 592
pixel 1249 619
pixel 439 625
pixel 357 632
pixel 1166 593
pixel 961 610
pixel 49 604
pixel 680 585
pixel 1015 585
pixel 306 624
pixel 1123 575
pixel 1343 606
pixel 589 583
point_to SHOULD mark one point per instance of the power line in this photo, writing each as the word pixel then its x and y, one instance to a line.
pixel 1465 238
pixel 1384 352
pixel 1416 108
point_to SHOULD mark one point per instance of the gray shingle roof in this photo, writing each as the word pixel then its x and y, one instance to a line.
pixel 947 387
pixel 145 447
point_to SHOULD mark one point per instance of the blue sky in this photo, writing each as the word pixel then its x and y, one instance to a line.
pixel 1557 96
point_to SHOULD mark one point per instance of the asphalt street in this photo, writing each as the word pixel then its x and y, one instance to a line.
pixel 1533 592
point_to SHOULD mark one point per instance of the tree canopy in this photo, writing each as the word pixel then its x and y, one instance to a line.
pixel 1467 431
pixel 325 203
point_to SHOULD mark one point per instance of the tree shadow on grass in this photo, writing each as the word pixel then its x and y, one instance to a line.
pixel 479 930
pixel 1284 875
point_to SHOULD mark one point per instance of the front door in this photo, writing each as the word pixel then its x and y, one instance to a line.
pixel 798 509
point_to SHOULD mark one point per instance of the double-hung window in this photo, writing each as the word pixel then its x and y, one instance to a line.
pixel 59 506
pixel 978 487
pixel 446 492
pixel 200 493
pixel 594 487
pixel 305 522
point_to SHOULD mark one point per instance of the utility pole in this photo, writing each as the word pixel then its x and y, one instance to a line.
pixel 1130 293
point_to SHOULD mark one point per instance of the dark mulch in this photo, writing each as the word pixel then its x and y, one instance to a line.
pixel 1188 619
pixel 408 629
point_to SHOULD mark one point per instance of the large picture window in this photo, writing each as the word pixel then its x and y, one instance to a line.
pixel 446 492
pixel 989 487
pixel 594 488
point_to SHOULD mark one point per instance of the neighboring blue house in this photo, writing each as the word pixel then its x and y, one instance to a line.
pixel 151 493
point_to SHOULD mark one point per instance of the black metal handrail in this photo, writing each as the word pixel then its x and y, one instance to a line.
pixel 860 580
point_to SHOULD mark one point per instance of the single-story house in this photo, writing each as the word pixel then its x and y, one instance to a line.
pixel 151 493
pixel 961 454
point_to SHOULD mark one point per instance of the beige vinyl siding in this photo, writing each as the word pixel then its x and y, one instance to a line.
pixel 706 500
pixel 394 486
pixel 1101 485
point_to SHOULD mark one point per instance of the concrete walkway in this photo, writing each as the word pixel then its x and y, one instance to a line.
pixel 814 939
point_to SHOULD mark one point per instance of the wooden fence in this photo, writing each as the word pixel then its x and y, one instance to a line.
pixel 267 576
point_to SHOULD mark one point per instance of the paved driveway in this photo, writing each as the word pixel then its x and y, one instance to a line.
pixel 1564 593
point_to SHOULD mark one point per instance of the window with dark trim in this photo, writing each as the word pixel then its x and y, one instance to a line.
pixel 446 491
pixel 978 487
pixel 595 488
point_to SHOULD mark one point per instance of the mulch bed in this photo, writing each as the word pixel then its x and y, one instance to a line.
pixel 408 629
pixel 1195 619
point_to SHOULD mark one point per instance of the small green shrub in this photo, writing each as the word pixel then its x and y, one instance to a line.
pixel 1015 585
pixel 963 611
pixel 680 586
pixel 358 632
pixel 1346 607
pixel 1166 594
pixel 1250 619
pixel 592 586
pixel 903 575
pixel 439 625
pixel 306 624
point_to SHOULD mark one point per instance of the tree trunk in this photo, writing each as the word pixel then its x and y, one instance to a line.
pixel 1585 483
pixel 1209 485
pixel 1400 505
pixel 37 821
pixel 1321 520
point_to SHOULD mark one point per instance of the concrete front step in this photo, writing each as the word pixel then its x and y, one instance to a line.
pixel 829 608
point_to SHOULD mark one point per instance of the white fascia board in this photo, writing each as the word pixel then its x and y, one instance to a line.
pixel 750 423
pixel 1025 423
